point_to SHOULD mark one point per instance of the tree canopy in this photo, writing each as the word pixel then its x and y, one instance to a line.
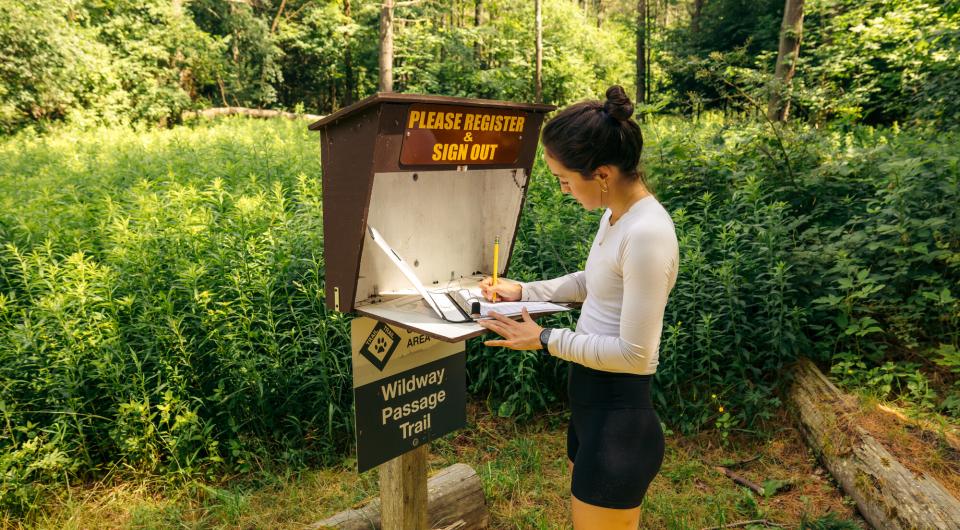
pixel 118 61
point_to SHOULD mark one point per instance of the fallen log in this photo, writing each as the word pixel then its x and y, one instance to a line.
pixel 887 494
pixel 948 433
pixel 244 111
pixel 454 500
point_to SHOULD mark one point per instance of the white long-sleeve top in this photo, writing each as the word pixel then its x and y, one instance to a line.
pixel 630 271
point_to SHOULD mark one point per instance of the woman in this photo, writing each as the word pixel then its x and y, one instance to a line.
pixel 614 440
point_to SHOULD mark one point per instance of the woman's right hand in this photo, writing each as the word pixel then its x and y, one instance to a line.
pixel 507 290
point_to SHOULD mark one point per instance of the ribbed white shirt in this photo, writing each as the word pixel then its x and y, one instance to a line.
pixel 630 271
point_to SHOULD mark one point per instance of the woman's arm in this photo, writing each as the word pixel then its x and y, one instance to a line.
pixel 649 264
pixel 569 288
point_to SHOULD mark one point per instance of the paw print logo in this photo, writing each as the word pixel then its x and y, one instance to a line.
pixel 380 345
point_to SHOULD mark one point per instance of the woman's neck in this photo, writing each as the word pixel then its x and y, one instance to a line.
pixel 623 197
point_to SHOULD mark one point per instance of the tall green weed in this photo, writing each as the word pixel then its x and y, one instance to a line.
pixel 167 314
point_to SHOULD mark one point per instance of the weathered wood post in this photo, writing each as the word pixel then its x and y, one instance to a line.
pixel 406 478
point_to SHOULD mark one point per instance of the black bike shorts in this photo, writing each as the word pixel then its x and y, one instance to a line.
pixel 614 438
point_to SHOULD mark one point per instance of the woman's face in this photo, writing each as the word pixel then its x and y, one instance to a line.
pixel 586 192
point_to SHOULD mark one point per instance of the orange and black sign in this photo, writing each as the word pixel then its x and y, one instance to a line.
pixel 448 134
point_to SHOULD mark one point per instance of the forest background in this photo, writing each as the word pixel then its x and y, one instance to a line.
pixel 160 289
pixel 119 61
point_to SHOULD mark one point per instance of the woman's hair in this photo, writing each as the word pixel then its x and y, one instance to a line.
pixel 590 134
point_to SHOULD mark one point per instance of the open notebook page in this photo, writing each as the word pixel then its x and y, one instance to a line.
pixel 509 308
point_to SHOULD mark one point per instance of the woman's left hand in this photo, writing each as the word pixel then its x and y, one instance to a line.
pixel 522 335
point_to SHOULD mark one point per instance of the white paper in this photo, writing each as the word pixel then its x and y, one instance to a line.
pixel 512 308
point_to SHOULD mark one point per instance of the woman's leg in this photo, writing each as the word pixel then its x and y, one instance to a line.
pixel 589 517
pixel 619 454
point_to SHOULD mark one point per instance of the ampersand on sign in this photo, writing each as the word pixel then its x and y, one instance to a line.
pixel 468 137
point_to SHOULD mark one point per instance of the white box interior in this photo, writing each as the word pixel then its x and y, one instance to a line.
pixel 442 223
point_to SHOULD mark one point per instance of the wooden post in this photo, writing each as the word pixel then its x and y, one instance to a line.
pixel 403 491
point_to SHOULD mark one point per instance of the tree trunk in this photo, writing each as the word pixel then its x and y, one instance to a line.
pixel 538 74
pixel 649 34
pixel 888 495
pixel 185 74
pixel 695 13
pixel 791 29
pixel 454 500
pixel 477 18
pixel 386 46
pixel 276 19
pixel 347 62
pixel 641 51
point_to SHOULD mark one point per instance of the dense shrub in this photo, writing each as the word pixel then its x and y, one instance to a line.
pixel 881 243
pixel 115 62
pixel 835 245
pixel 861 61
pixel 732 322
pixel 880 253
pixel 143 62
pixel 169 315
pixel 161 294
pixel 880 61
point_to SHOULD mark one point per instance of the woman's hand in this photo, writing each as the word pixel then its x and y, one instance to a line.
pixel 507 290
pixel 523 335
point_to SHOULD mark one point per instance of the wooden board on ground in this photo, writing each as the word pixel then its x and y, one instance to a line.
pixel 454 500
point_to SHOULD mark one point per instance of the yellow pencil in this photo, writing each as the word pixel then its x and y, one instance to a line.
pixel 496 265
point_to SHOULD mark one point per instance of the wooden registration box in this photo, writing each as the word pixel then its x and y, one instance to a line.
pixel 440 178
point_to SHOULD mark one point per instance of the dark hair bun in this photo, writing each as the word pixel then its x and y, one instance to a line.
pixel 618 104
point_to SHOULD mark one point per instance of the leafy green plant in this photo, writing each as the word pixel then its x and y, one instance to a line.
pixel 168 322
pixel 948 355
pixel 852 322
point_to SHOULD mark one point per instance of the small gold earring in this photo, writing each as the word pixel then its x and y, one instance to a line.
pixel 603 187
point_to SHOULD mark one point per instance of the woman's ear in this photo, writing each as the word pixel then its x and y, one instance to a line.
pixel 603 174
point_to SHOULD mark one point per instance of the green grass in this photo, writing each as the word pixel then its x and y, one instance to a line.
pixel 523 469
